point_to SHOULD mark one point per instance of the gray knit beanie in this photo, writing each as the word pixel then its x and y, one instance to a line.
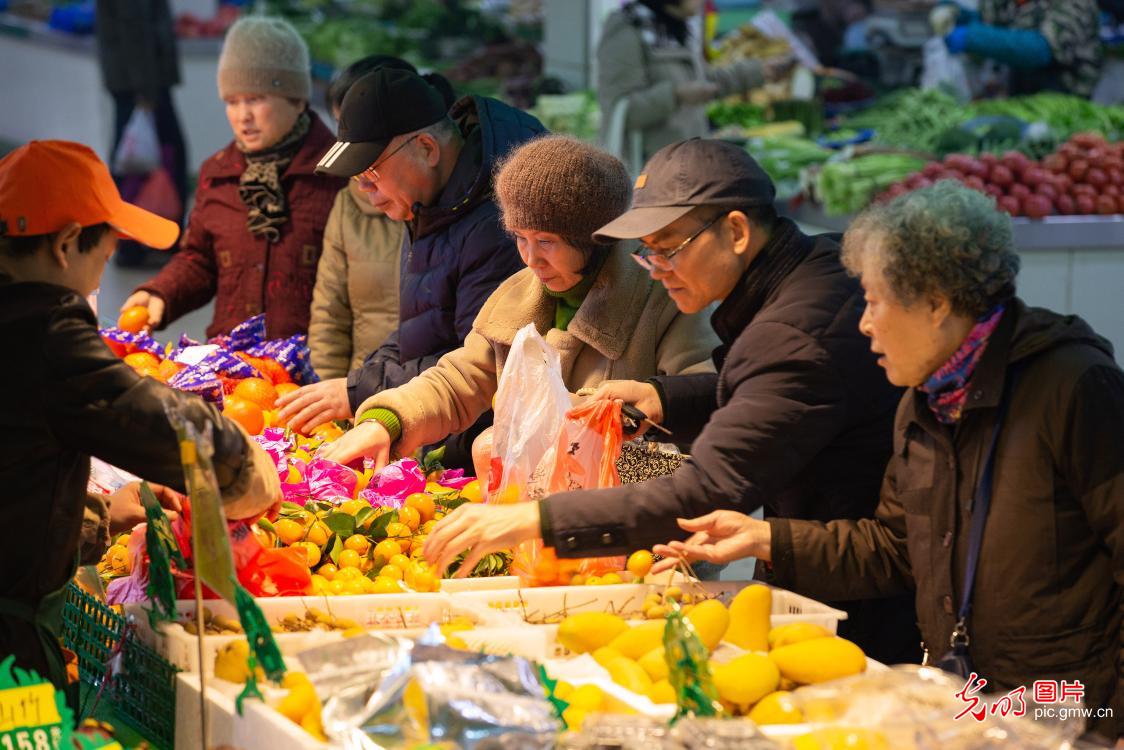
pixel 561 185
pixel 264 55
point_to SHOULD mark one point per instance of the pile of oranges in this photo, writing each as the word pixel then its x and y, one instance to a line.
pixel 251 402
pixel 372 551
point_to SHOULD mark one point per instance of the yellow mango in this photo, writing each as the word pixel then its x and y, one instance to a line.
pixel 586 698
pixel 786 635
pixel 639 640
pixel 841 739
pixel 630 675
pixel 661 692
pixel 776 708
pixel 749 618
pixel 818 660
pixel 606 654
pixel 589 631
pixel 746 679
pixel 711 620
pixel 655 664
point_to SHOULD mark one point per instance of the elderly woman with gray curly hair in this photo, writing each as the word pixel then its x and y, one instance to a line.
pixel 1003 504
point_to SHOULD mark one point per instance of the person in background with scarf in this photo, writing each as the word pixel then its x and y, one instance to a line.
pixel 797 420
pixel 653 83
pixel 1025 396
pixel 255 235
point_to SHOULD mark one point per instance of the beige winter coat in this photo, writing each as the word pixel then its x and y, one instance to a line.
pixel 355 301
pixel 626 329
pixel 634 70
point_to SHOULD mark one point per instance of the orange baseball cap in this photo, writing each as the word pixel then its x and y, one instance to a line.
pixel 45 185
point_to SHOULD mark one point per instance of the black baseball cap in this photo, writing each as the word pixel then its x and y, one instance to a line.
pixel 380 105
pixel 679 177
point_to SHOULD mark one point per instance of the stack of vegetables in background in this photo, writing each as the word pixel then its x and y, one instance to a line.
pixel 882 150
pixel 1084 177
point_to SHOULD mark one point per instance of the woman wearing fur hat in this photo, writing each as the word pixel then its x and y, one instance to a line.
pixel 255 234
pixel 599 309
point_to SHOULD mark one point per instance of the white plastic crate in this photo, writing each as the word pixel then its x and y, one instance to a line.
pixel 550 604
pixel 402 614
pixel 383 611
pixel 495 583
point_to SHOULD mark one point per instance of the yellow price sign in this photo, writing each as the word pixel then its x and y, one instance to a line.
pixel 29 706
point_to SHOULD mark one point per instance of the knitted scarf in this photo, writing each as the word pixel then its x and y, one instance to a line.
pixel 260 184
pixel 947 388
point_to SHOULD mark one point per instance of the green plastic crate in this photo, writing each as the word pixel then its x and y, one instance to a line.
pixel 143 693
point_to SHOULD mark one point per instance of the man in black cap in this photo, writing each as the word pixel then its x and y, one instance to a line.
pixel 798 419
pixel 432 169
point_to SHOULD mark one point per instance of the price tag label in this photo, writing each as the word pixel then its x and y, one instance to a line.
pixel 33 715
pixel 30 706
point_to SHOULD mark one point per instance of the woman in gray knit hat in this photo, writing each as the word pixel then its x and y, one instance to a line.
pixel 602 312
pixel 256 231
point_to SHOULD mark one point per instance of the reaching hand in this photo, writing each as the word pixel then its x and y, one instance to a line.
pixel 776 68
pixel 479 530
pixel 718 537
pixel 313 405
pixel 696 92
pixel 366 439
pixel 154 303
pixel 643 396
pixel 126 509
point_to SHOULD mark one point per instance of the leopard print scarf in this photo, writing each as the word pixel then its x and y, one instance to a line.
pixel 260 184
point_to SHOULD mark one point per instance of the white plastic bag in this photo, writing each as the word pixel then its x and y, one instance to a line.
pixel 944 70
pixel 531 404
pixel 139 149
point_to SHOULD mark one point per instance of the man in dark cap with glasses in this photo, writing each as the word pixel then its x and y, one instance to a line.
pixel 431 168
pixel 798 420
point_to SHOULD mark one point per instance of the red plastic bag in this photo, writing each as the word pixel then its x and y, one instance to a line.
pixel 584 457
pixel 264 571
pixel 158 194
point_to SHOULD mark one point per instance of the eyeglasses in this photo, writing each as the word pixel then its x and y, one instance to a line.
pixel 372 173
pixel 650 259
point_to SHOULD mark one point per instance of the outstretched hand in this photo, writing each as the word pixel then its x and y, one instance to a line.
pixel 719 537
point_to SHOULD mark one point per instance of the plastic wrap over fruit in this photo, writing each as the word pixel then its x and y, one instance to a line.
pixel 391 486
pixel 225 363
pixel 454 479
pixel 328 480
pixel 249 332
pixel 199 380
pixel 123 342
pixel 921 708
pixel 381 696
pixel 275 443
pixel 630 732
pixel 292 354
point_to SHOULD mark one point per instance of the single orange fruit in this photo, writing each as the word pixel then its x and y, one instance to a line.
pixel 168 368
pixel 423 503
pixel 409 517
pixel 273 370
pixel 328 431
pixel 258 391
pixel 133 319
pixel 283 388
pixel 246 413
pixel 137 360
